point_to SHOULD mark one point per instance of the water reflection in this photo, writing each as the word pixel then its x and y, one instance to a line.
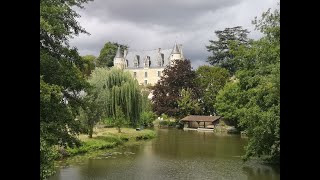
pixel 190 144
pixel 174 154
pixel 263 173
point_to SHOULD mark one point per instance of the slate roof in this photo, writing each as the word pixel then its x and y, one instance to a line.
pixel 153 54
pixel 201 118
pixel 175 49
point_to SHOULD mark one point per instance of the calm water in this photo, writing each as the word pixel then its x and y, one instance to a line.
pixel 174 154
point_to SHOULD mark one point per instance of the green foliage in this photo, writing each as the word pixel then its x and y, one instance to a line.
pixel 210 80
pixel 108 140
pixel 93 111
pixel 57 125
pixel 145 136
pixel 107 54
pixel 228 101
pixel 166 91
pixel 269 24
pixel 187 104
pixel 47 156
pixel 100 142
pixel 90 58
pixel 82 118
pixel 60 78
pixel 88 65
pixel 220 49
pixel 168 123
pixel 117 88
pixel 107 121
pixel 138 135
pixel 119 118
pixel 146 118
pixel 254 99
pixel 164 116
pixel 146 103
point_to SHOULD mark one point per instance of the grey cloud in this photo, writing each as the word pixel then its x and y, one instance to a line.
pixel 147 25
pixel 164 12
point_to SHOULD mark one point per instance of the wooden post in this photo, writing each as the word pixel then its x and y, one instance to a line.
pixel 204 124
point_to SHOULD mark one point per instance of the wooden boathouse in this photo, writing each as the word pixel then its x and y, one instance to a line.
pixel 195 122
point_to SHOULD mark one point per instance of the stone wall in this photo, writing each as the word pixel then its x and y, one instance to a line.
pixel 152 75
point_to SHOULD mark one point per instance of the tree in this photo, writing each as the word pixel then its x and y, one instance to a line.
pixel 88 65
pixel 92 111
pixel 107 54
pixel 119 118
pixel 228 101
pixel 220 49
pixel 255 98
pixel 147 116
pixel 116 87
pixel 166 91
pixel 57 124
pixel 188 104
pixel 47 157
pixel 60 77
pixel 210 80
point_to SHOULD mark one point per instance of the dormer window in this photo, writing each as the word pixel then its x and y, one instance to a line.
pixel 162 59
pixel 147 62
pixel 136 61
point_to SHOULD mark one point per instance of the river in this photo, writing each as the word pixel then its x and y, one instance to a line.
pixel 174 154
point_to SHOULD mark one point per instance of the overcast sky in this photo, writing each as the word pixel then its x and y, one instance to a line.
pixel 152 24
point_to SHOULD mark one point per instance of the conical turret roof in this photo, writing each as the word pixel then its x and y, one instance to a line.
pixel 175 49
pixel 119 54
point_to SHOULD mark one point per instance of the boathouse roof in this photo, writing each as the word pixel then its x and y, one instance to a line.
pixel 201 118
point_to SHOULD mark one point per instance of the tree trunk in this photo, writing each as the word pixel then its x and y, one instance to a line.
pixel 90 131
pixel 119 130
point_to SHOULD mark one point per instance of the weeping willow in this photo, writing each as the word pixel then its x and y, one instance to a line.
pixel 118 88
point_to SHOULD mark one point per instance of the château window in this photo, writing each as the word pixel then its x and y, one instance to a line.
pixel 145 82
pixel 145 74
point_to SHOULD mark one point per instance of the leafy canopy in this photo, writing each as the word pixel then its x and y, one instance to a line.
pixel 107 54
pixel 60 78
pixel 166 92
pixel 254 99
pixel 188 104
pixel 209 81
pixel 220 49
pixel 116 87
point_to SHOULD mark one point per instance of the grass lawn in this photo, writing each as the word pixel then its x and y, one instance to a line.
pixel 106 138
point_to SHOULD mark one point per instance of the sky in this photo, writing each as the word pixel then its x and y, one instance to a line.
pixel 153 24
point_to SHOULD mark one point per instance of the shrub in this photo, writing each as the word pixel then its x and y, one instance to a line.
pixel 146 118
pixel 100 142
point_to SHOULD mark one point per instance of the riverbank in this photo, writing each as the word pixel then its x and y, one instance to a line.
pixel 107 138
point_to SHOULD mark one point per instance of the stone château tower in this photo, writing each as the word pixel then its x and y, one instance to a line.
pixel 176 54
pixel 119 61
